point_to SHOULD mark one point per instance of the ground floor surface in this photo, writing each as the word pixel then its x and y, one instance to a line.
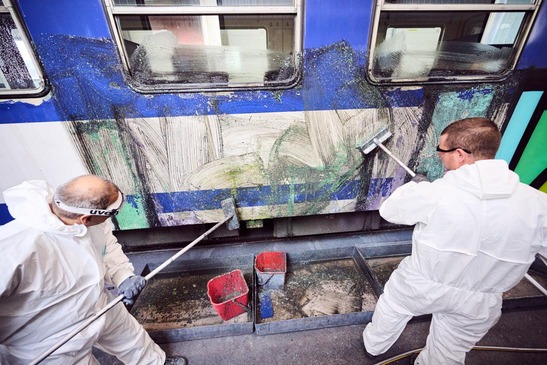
pixel 344 345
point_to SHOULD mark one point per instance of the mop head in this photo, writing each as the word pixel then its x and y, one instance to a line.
pixel 229 210
pixel 370 144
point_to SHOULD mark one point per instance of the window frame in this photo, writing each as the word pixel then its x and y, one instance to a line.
pixel 382 6
pixel 113 11
pixel 6 7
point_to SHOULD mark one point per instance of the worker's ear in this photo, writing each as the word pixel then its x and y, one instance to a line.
pixel 463 157
pixel 86 219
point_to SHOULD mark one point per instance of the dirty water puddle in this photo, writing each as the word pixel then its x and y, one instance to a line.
pixel 320 288
pixel 383 267
pixel 180 300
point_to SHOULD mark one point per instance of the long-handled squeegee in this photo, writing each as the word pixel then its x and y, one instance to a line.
pixel 229 210
pixel 376 141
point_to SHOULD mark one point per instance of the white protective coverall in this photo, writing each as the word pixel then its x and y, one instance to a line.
pixel 53 276
pixel 477 232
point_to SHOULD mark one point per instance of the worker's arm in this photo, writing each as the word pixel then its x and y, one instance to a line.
pixel 119 270
pixel 543 250
pixel 411 203
pixel 118 266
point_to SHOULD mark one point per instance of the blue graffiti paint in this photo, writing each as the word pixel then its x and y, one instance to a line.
pixel 468 95
pixel 68 14
pixel 88 84
pixel 534 54
pixel 5 217
pixel 380 187
pixel 398 98
pixel 348 22
pixel 130 199
pixel 22 112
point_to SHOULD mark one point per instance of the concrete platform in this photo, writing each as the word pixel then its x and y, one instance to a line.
pixel 343 345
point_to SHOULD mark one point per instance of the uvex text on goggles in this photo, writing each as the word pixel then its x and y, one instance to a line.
pixel 110 211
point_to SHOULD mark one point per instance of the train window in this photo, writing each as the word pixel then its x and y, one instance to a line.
pixel 195 45
pixel 20 74
pixel 447 40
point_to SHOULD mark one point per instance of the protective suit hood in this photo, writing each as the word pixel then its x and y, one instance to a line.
pixel 28 203
pixel 485 179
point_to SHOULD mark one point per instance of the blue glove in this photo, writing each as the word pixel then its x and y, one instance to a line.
pixel 131 287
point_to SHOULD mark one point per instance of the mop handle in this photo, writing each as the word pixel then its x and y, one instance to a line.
pixel 379 144
pixel 536 284
pixel 86 323
pixel 542 259
pixel 91 319
pixel 189 246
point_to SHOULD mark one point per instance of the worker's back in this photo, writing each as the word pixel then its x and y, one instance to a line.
pixel 478 228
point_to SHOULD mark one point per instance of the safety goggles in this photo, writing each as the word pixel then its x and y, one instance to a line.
pixel 439 149
pixel 110 211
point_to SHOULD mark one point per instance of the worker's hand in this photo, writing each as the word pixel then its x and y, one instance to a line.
pixel 419 178
pixel 131 287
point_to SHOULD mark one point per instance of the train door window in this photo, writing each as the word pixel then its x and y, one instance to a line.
pixel 202 45
pixel 20 74
pixel 447 40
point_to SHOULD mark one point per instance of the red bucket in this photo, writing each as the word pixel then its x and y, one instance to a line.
pixel 271 267
pixel 229 294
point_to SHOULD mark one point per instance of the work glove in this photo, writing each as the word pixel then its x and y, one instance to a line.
pixel 419 178
pixel 130 288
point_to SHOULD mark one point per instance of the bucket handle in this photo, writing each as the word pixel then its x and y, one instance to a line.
pixel 248 309
pixel 267 281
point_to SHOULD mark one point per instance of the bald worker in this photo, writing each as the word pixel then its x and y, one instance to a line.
pixel 57 256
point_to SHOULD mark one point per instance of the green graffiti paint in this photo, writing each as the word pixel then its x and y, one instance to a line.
pixel 290 205
pixel 450 107
pixel 277 94
pixel 341 169
pixel 534 159
pixel 103 150
pixel 132 216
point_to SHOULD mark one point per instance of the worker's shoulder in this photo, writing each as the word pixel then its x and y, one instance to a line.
pixel 17 237
pixel 437 186
pixel 10 229
pixel 533 193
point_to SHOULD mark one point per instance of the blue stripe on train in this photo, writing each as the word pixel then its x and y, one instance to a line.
pixel 267 195
pixel 255 196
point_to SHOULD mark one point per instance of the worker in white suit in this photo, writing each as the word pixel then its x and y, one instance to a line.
pixel 57 256
pixel 477 231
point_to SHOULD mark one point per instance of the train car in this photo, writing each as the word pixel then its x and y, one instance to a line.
pixel 183 103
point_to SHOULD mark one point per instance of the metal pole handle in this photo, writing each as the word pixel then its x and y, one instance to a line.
pixel 80 328
pixel 186 248
pixel 536 284
pixel 379 144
